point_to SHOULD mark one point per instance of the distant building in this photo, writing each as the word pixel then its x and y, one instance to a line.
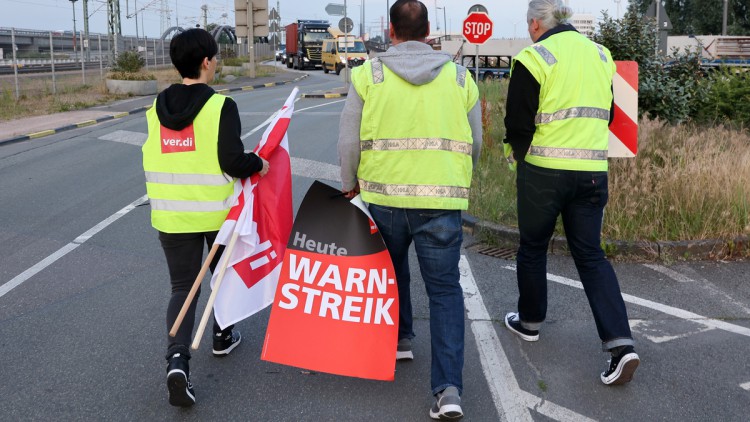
pixel 584 23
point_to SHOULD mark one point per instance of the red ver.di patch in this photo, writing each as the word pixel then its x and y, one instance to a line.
pixel 177 140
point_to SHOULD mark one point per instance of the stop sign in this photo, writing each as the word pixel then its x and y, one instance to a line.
pixel 477 28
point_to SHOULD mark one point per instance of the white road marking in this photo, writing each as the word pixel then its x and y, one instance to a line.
pixel 511 402
pixel 46 262
pixel 745 386
pixel 666 309
pixel 674 275
pixel 270 119
pixel 315 169
pixel 126 137
pixel 652 330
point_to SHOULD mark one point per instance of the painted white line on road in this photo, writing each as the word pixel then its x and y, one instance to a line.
pixel 652 329
pixel 666 309
pixel 270 119
pixel 46 262
pixel 551 410
pixel 511 402
pixel 745 386
pixel 674 275
pixel 315 169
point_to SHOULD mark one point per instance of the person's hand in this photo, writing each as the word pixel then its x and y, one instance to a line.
pixel 351 193
pixel 265 168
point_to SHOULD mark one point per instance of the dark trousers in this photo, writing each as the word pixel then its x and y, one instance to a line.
pixel 184 253
pixel 580 197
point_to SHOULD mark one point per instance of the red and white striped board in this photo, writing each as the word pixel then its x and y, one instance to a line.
pixel 623 132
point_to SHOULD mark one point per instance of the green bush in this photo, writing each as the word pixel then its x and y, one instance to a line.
pixel 670 88
pixel 129 61
pixel 727 98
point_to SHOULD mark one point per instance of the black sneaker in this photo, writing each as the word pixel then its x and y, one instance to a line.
pixel 513 322
pixel 403 350
pixel 178 382
pixel 621 367
pixel 225 342
pixel 447 406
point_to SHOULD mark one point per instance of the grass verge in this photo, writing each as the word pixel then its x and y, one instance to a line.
pixel 686 183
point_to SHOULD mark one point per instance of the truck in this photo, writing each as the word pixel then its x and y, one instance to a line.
pixel 342 49
pixel 715 50
pixel 304 41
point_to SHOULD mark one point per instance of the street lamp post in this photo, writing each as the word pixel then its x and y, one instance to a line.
pixel 75 35
pixel 445 23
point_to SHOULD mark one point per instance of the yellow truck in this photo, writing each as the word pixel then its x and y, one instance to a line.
pixel 336 52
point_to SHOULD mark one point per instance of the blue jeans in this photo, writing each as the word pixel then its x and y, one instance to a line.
pixel 580 197
pixel 437 240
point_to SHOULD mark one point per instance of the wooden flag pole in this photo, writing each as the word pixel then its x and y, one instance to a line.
pixel 212 298
pixel 193 290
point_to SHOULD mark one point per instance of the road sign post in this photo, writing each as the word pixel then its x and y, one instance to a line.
pixel 477 29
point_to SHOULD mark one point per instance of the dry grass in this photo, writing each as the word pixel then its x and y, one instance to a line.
pixel 37 97
pixel 686 182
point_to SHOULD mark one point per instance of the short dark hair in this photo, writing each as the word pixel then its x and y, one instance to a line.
pixel 409 20
pixel 188 49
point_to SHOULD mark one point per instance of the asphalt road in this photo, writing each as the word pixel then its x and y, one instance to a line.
pixel 84 287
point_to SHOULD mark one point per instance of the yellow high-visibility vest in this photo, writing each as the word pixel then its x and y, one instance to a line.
pixel 572 123
pixel 188 191
pixel 415 141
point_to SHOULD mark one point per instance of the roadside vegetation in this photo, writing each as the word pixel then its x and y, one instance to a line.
pixel 690 179
pixel 37 97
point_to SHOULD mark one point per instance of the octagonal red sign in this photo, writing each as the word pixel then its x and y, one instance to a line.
pixel 477 28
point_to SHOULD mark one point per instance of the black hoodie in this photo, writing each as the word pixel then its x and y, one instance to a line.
pixel 177 107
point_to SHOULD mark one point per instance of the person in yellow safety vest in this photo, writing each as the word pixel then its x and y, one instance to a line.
pixel 409 135
pixel 559 107
pixel 192 153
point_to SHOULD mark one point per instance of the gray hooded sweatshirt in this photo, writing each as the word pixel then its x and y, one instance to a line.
pixel 416 63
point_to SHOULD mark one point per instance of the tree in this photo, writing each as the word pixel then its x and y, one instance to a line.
pixel 669 88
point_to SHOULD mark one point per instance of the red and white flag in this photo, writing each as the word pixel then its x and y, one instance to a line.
pixel 262 219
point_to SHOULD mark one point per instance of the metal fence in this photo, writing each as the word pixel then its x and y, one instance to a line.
pixel 48 62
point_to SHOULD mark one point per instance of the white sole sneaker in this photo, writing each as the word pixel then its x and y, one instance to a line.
pixel 624 371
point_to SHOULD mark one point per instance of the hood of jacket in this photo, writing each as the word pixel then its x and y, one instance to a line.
pixel 415 62
pixel 178 105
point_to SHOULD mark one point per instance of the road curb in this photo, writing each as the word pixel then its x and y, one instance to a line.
pixel 43 133
pixel 620 250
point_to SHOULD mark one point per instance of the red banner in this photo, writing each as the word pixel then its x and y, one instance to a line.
pixel 336 304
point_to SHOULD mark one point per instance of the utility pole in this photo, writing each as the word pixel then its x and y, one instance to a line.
pixel 724 21
pixel 114 28
pixel 87 43
pixel 437 21
pixel 75 33
pixel 204 8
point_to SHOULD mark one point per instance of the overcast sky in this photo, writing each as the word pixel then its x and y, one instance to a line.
pixel 508 15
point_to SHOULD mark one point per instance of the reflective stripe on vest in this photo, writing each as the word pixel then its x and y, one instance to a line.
pixel 187 179
pixel 575 96
pixel 187 189
pixel 191 206
pixel 580 154
pixel 415 151
pixel 573 113
pixel 416 144
pixel 415 190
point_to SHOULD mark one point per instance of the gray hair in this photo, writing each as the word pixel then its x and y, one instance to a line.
pixel 549 13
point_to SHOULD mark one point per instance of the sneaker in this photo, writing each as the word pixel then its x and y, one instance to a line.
pixel 447 405
pixel 621 367
pixel 403 350
pixel 178 382
pixel 513 322
pixel 225 342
